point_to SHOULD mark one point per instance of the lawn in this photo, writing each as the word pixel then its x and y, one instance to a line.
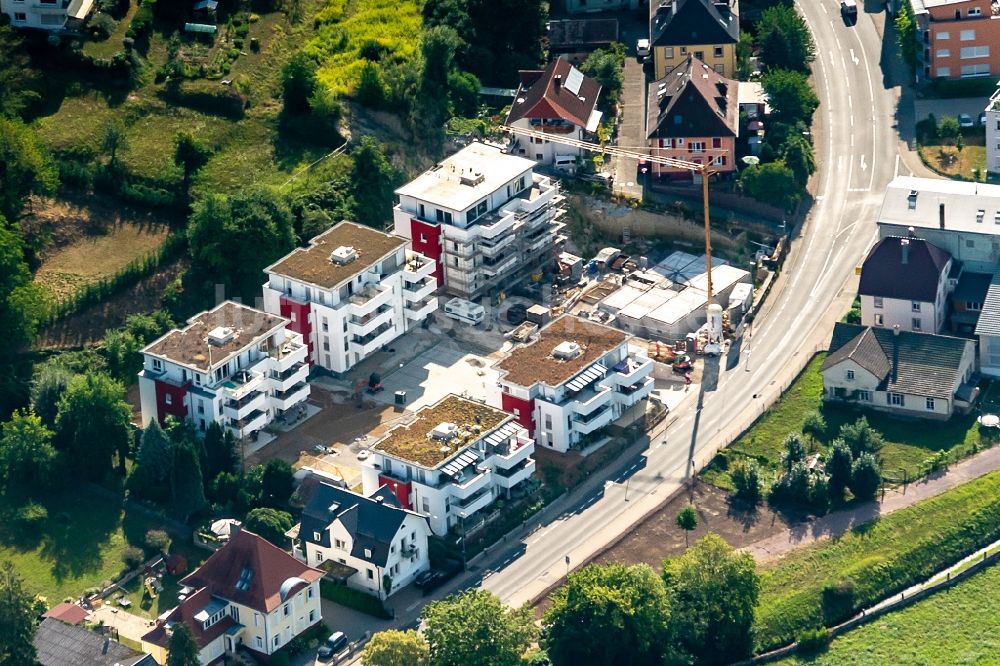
pixel 954 163
pixel 876 559
pixel 960 625
pixel 113 44
pixel 79 547
pixel 908 444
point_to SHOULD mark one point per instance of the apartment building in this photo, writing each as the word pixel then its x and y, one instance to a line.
pixel 452 461
pixel 485 217
pixel 993 133
pixel 46 14
pixel 574 379
pixel 559 100
pixel 706 29
pixel 248 595
pixel 352 291
pixel 235 365
pixel 957 39
pixel 905 283
pixel 693 115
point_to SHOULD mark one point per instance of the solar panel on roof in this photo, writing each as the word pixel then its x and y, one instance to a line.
pixel 574 80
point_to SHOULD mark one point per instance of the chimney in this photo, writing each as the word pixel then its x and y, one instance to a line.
pixel 941 215
pixel 557 81
pixel 911 232
pixel 895 329
pixel 904 251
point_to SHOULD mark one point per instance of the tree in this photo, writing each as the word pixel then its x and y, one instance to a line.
pixel 182 650
pixel 47 386
pixel 773 183
pixel 609 614
pixel 795 485
pixel 25 168
pixel 123 352
pixel 475 627
pixel 298 81
pixel 949 129
pixel 22 302
pixel 17 619
pixel 838 467
pixel 784 39
pixel 190 155
pixel 795 451
pixel 861 437
pixel 114 140
pixel 713 591
pixel 187 490
pixel 374 182
pixel 270 524
pixel 277 483
pixel 746 479
pixel 814 425
pixel 798 154
pixel 220 451
pixel 27 457
pixel 866 477
pixel 20 83
pixel 906 33
pixel 606 66
pixel 790 96
pixel 156 454
pixel 463 92
pixel 396 648
pixel 371 86
pixel 93 423
pixel 744 53
pixel 687 520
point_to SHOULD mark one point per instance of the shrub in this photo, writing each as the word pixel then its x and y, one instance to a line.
pixel 746 480
pixel 813 641
pixel 814 425
pixel 157 540
pixel 838 601
pixel 359 601
pixel 31 517
pixel 133 557
pixel 102 25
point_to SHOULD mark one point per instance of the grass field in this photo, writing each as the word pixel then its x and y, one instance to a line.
pixel 878 558
pixel 908 443
pixel 80 546
pixel 949 161
pixel 960 625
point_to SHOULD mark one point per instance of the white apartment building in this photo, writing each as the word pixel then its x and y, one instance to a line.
pixel 45 14
pixel 361 540
pixel 235 365
pixel 574 379
pixel 484 217
pixel 452 461
pixel 352 291
pixel 249 594
pixel 993 133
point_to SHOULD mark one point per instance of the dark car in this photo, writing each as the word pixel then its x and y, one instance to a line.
pixel 424 577
pixel 516 314
pixel 333 645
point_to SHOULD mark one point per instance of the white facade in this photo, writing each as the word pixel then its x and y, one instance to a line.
pixel 243 384
pixel 484 216
pixel 916 316
pixel 347 313
pixel 546 152
pixel 44 14
pixel 993 134
pixel 989 355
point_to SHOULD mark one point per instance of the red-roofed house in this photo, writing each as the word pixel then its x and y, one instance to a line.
pixel 249 593
pixel 558 100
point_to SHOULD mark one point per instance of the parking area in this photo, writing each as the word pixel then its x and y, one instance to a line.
pixel 972 106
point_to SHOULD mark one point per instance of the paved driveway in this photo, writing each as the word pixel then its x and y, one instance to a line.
pixel 631 132
pixel 447 368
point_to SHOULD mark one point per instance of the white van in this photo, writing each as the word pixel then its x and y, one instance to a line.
pixel 565 163
pixel 465 311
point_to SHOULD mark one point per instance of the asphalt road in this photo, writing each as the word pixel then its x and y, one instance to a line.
pixel 857 154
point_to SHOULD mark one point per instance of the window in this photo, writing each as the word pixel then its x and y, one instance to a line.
pixel 700 55
pixel 970 243
pixel 878 302
pixel 168 399
pixel 368 552
pixel 539 156
pixel 277 641
pixel 423 237
pixel 668 52
pixel 684 50
pixel 975 11
pixel 943 72
pixel 425 505
pixel 312 616
pixel 717 52
pixel 548 422
pixel 967 35
pixel 319 556
pixel 158 364
pixel 260 642
pixel 981 69
pixel 864 395
pixel 930 404
pixel 20 16
pixel 943 53
pixel 944 35
pixel 696 146
pixel 878 320
pixel 338 543
pixel 719 69
pixel 317 536
pixel 915 306
pixel 716 142
pixel 371 574
pixel 973 306
pixel 969 52
pixel 850 375
pixel 287 609
pixel 310 593
pixel 915 324
pixel 894 399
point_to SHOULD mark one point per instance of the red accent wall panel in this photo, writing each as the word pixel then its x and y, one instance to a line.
pixel 525 410
pixel 399 489
pixel 427 241
pixel 176 408
pixel 301 324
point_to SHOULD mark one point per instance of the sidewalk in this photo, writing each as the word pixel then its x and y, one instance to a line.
pixel 632 131
pixel 835 524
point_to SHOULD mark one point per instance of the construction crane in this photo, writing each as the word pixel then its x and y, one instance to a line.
pixel 714 311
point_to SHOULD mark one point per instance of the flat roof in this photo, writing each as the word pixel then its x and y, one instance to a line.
pixel 962 202
pixel 686 302
pixel 483 166
pixel 189 346
pixel 313 264
pixel 646 303
pixel 528 364
pixel 722 277
pixel 619 298
pixel 682 266
pixel 413 442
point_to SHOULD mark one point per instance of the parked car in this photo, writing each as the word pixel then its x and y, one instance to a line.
pixel 332 646
pixel 642 48
pixel 964 120
pixel 424 577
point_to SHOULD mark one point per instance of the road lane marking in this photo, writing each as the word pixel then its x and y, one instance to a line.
pixel 854 58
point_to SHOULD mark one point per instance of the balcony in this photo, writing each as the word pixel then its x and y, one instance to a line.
pixel 419 311
pixel 417 268
pixel 367 344
pixel 252 423
pixel 499 268
pixel 282 381
pixel 240 409
pixel 285 400
pixel 520 450
pixel 289 354
pixel 418 291
pixel 472 482
pixel 552 126
pixel 590 398
pixel 508 479
pixel 633 393
pixel 491 249
pixel 592 422
pixel 631 370
pixel 362 326
pixel 368 300
pixel 477 502
pixel 497 223
pixel 242 383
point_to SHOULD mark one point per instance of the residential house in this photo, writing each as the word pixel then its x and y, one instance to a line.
pixel 249 594
pixel 988 329
pixel 902 372
pixel 693 115
pixel 957 38
pixel 582 6
pixel 905 282
pixel 362 539
pixel 575 39
pixel 61 644
pixel 46 14
pixel 705 29
pixel 235 365
pixel 559 100
pixel 961 218
pixel 574 379
pixel 484 217
pixel 452 461
pixel 352 291
pixel 967 302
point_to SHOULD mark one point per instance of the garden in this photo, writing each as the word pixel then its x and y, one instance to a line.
pixel 951 150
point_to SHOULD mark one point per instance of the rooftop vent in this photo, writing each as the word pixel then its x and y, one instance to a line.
pixel 566 350
pixel 472 179
pixel 221 335
pixel 444 431
pixel 911 199
pixel 343 255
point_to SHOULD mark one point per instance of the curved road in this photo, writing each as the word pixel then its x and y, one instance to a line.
pixel 857 155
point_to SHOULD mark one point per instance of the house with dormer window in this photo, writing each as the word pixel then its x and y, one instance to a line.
pixel 248 595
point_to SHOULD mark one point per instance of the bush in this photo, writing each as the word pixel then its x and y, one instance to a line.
pixel 76 174
pixel 838 601
pixel 158 541
pixel 31 517
pixel 102 25
pixel 746 480
pixel 359 601
pixel 133 557
pixel 813 641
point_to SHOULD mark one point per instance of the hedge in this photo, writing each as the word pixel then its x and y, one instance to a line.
pixel 356 599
